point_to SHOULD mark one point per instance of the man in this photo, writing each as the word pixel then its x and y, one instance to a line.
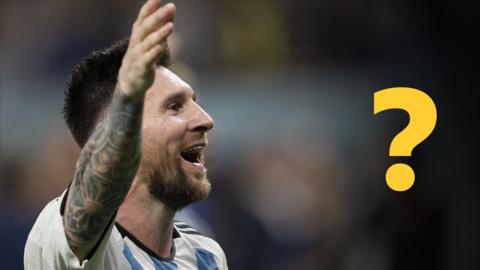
pixel 142 136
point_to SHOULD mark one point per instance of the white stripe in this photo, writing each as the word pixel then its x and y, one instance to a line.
pixel 186 230
pixel 180 223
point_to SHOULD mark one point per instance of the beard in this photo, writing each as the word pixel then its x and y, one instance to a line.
pixel 168 183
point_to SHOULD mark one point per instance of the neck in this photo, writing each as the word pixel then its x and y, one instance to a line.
pixel 148 219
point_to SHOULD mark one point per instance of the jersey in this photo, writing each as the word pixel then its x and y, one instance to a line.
pixel 47 247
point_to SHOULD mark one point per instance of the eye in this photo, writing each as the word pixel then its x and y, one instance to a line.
pixel 174 106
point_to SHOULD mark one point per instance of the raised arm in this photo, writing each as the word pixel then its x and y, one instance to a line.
pixel 110 158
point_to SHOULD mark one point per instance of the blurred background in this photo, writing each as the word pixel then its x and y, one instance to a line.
pixel 297 158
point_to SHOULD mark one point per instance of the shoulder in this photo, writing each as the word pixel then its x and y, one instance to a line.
pixel 48 219
pixel 44 239
pixel 47 247
pixel 189 232
pixel 185 228
pixel 202 244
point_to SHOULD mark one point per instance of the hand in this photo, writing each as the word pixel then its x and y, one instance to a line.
pixel 147 41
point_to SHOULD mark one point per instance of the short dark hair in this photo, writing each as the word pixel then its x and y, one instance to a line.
pixel 91 85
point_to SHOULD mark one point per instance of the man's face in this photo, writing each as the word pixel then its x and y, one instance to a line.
pixel 173 140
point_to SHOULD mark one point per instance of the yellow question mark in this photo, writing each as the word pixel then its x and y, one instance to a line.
pixel 423 117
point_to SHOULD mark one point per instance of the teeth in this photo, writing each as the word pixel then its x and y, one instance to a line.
pixel 194 149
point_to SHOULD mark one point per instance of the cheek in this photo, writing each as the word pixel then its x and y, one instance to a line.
pixel 160 135
pixel 177 123
pixel 148 136
pixel 172 130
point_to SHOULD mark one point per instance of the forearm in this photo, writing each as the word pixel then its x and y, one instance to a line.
pixel 104 173
pixel 110 159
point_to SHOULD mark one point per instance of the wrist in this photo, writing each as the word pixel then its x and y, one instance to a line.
pixel 129 91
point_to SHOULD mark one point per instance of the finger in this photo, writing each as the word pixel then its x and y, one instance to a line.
pixel 152 55
pixel 157 37
pixel 148 8
pixel 155 20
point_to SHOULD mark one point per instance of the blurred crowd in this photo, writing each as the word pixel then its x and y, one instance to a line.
pixel 297 159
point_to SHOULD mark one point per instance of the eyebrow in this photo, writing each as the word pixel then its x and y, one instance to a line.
pixel 181 95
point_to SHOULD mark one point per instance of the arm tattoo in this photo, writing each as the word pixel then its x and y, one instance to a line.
pixel 104 173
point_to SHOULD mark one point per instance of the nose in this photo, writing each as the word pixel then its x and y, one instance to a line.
pixel 201 122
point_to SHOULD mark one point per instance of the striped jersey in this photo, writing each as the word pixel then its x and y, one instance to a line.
pixel 47 248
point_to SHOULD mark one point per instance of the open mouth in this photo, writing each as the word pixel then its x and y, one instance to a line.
pixel 194 154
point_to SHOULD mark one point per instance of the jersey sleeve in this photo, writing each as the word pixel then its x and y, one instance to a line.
pixel 223 259
pixel 213 246
pixel 47 246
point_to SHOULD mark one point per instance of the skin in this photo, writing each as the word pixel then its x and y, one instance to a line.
pixel 169 126
pixel 152 118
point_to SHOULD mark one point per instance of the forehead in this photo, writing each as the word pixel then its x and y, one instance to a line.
pixel 166 84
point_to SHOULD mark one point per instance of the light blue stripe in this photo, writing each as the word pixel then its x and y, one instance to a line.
pixel 131 260
pixel 163 265
pixel 205 260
